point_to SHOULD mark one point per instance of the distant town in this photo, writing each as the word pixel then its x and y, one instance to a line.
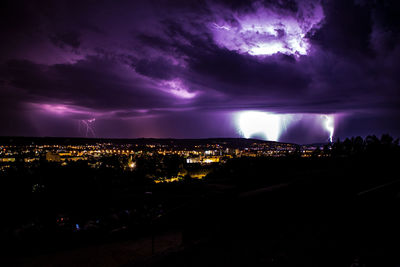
pixel 61 196
pixel 191 152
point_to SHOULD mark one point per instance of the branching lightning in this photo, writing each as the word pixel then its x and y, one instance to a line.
pixel 221 27
pixel 88 127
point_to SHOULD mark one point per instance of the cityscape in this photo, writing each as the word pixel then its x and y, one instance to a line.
pixel 91 151
pixel 196 157
pixel 163 195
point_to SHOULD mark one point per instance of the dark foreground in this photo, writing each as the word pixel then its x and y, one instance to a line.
pixel 288 225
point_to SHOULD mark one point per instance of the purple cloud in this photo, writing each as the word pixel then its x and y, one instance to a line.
pixel 266 30
pixel 137 64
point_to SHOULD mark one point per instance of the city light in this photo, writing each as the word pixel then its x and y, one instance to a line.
pixel 132 165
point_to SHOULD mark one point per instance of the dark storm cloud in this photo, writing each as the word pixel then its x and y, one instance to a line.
pixel 158 68
pixel 132 59
pixel 346 30
pixel 69 38
pixel 93 83
pixel 247 76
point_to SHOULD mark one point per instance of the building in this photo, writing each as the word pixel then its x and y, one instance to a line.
pixel 54 157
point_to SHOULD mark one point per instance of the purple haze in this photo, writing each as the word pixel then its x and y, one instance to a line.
pixel 185 69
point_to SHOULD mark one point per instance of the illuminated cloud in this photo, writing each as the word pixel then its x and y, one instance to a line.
pixel 273 126
pixel 268 30
pixel 58 109
pixel 255 122
pixel 178 89
pixel 84 115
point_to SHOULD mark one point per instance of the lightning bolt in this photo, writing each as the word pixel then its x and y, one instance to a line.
pixel 329 125
pixel 88 127
pixel 221 27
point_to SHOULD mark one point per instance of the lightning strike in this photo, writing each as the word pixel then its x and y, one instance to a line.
pixel 253 122
pixel 221 27
pixel 88 127
pixel 329 125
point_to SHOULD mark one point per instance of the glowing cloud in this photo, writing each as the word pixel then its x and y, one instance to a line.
pixel 272 126
pixel 177 88
pixel 64 110
pixel 267 31
pixel 56 108
pixel 252 122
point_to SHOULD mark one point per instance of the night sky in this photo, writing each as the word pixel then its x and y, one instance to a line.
pixel 295 71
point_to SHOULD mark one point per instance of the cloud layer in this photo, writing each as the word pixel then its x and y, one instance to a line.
pixel 132 64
